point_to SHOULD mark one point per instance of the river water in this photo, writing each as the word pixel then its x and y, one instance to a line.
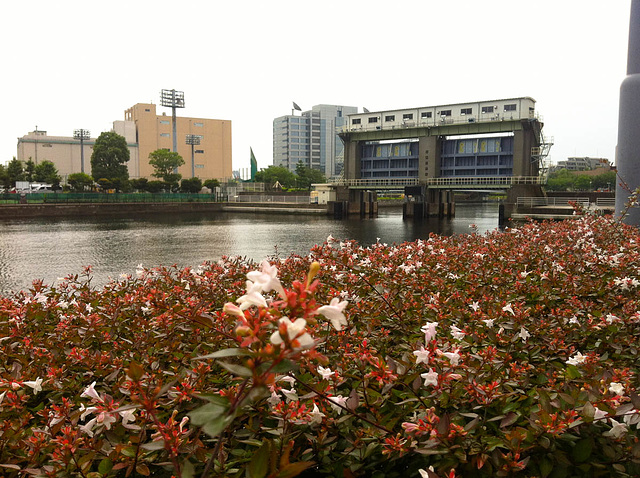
pixel 49 249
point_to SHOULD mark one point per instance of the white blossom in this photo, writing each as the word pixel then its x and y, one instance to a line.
pixel 325 372
pixel 616 388
pixel 422 355
pixel 34 384
pixel 295 330
pixel 335 312
pixel 430 378
pixel 577 359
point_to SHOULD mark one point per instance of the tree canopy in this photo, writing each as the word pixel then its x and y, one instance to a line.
pixel 565 180
pixel 165 163
pixel 80 181
pixel 15 172
pixel 109 159
pixel 274 174
pixel 308 176
pixel 46 172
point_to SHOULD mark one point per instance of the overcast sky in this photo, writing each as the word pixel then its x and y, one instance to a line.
pixel 80 64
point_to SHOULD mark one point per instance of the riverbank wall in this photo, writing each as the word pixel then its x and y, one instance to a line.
pixel 22 211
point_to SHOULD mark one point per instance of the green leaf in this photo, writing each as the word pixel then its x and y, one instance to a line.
pixel 152 446
pixel 294 469
pixel 105 466
pixel 135 371
pixel 259 464
pixel 573 372
pixel 234 352
pixel 510 419
pixel 582 450
pixel 545 467
pixel 207 412
pixel 236 369
pixel 214 427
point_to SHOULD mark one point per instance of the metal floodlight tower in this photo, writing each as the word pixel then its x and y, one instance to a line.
pixel 81 134
pixel 172 99
pixel 193 140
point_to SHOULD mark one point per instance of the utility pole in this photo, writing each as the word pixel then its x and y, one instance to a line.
pixel 628 157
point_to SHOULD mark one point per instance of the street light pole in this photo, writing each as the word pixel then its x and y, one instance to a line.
pixel 81 134
pixel 193 140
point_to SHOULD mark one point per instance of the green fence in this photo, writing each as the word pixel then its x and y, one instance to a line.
pixel 62 198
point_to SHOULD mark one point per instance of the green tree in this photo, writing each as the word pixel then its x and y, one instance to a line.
pixel 15 172
pixel 211 183
pixel 139 184
pixel 4 177
pixel 109 159
pixel 80 181
pixel 191 185
pixel 46 172
pixel 308 176
pixel 156 186
pixel 29 171
pixel 274 174
pixel 164 164
pixel 606 180
pixel 561 180
pixel 582 183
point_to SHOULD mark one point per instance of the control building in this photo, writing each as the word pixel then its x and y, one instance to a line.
pixel 480 139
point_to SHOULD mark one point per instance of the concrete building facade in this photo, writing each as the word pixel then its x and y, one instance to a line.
pixel 311 138
pixel 145 131
pixel 212 156
pixel 66 152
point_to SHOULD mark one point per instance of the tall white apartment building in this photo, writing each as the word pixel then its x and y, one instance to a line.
pixel 311 138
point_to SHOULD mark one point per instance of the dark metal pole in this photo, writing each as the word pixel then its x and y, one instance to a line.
pixel 193 162
pixel 173 121
pixel 628 156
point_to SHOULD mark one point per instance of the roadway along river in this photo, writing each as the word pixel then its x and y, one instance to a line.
pixel 52 248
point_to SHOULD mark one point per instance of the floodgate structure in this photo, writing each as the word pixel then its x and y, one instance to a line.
pixel 432 151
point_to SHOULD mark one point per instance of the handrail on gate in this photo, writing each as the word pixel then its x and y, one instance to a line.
pixel 488 181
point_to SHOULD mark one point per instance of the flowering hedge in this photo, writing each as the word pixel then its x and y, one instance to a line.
pixel 501 354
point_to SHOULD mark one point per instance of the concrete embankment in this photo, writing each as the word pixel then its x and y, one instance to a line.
pixel 15 211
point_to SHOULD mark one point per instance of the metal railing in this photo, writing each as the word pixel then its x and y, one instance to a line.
pixel 550 201
pixel 447 182
pixel 263 198
pixel 606 202
pixel 64 198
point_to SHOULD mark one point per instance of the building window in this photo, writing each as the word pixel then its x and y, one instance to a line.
pixel 356 121
pixel 165 135
pixel 465 111
pixel 199 165
pixel 390 118
pixel 199 151
pixel 509 107
pixel 147 110
pixel 407 116
pixel 165 122
pixel 47 145
pixel 426 114
pixel 487 109
pixel 198 124
pixel 445 113
pixel 373 119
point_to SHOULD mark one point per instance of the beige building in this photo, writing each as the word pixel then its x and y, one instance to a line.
pixel 66 152
pixel 145 132
pixel 212 156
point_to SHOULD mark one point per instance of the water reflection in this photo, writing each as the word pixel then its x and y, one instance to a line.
pixel 51 248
